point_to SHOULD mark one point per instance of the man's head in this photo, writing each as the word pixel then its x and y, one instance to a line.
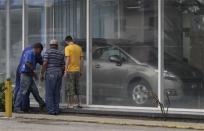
pixel 54 44
pixel 68 39
pixel 38 47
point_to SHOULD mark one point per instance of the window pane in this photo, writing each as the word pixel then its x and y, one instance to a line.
pixel 15 35
pixel 183 53
pixel 68 17
pixel 35 17
pixel 124 35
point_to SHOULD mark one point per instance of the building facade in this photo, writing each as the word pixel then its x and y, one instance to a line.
pixel 136 51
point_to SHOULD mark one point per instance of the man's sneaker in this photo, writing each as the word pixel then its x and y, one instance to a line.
pixel 78 107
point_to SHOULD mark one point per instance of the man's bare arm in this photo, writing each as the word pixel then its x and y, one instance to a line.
pixel 81 64
pixel 44 66
pixel 67 63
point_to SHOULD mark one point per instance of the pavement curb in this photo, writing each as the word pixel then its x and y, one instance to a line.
pixel 108 120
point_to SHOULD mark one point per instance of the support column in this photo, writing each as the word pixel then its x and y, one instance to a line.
pixel 161 50
pixel 8 41
pixel 24 24
pixel 53 20
pixel 45 23
pixel 88 55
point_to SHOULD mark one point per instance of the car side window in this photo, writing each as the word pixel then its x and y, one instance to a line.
pixel 98 53
pixel 110 52
pixel 105 53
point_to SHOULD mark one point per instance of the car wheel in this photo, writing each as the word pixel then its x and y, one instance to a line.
pixel 139 93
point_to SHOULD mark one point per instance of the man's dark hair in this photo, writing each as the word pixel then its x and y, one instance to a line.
pixel 68 38
pixel 38 45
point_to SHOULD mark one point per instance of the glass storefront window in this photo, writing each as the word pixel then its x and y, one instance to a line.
pixel 15 35
pixel 124 43
pixel 68 17
pixel 124 39
pixel 183 52
pixel 55 20
pixel 35 32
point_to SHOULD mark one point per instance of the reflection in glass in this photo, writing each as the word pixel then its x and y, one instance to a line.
pixel 68 17
pixel 183 31
pixel 124 34
pixel 15 35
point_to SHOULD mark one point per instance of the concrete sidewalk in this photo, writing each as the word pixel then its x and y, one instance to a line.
pixel 109 120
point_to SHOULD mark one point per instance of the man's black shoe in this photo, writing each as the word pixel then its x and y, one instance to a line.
pixel 43 107
pixel 18 111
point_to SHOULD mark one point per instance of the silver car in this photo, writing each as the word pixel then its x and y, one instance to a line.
pixel 116 74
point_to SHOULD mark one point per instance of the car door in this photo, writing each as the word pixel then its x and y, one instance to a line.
pixel 107 76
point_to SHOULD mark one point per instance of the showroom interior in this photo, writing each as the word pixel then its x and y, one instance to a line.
pixel 136 52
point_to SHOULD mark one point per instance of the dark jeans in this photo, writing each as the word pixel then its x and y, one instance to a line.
pixel 27 84
pixel 25 105
pixel 52 88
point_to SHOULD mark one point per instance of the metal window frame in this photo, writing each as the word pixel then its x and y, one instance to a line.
pixel 160 34
pixel 8 41
pixel 89 60
pixel 45 23
pixel 160 50
pixel 24 23
pixel 88 54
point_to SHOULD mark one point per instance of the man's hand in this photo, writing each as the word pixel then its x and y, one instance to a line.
pixel 65 74
pixel 80 74
pixel 35 75
pixel 42 78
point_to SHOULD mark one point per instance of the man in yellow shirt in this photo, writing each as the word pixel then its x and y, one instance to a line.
pixel 73 71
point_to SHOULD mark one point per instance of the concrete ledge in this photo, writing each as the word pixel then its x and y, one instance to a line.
pixel 108 120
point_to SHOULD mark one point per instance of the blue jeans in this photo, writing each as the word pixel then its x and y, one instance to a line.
pixel 25 105
pixel 27 84
pixel 53 83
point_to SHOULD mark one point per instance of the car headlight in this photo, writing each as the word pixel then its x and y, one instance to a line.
pixel 169 76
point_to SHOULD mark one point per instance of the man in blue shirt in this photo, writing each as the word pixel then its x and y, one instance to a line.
pixel 27 72
pixel 25 105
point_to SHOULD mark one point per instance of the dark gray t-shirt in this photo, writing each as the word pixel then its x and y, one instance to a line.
pixel 55 60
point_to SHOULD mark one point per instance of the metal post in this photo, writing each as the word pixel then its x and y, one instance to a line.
pixel 45 23
pixel 53 19
pixel 119 19
pixel 8 98
pixel 8 41
pixel 160 51
pixel 24 24
pixel 88 56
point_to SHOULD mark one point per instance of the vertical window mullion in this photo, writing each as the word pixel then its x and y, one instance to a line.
pixel 160 51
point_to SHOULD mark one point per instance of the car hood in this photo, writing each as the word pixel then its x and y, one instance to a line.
pixel 183 70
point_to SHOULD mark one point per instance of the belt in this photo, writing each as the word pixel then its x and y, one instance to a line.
pixel 27 73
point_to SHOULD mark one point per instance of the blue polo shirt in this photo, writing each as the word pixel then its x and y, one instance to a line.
pixel 28 57
pixel 39 59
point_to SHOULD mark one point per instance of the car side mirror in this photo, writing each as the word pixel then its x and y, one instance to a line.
pixel 116 59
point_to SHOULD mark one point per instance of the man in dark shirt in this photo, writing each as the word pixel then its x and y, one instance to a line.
pixel 27 71
pixel 53 65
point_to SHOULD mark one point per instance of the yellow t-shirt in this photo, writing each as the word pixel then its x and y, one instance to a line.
pixel 74 52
